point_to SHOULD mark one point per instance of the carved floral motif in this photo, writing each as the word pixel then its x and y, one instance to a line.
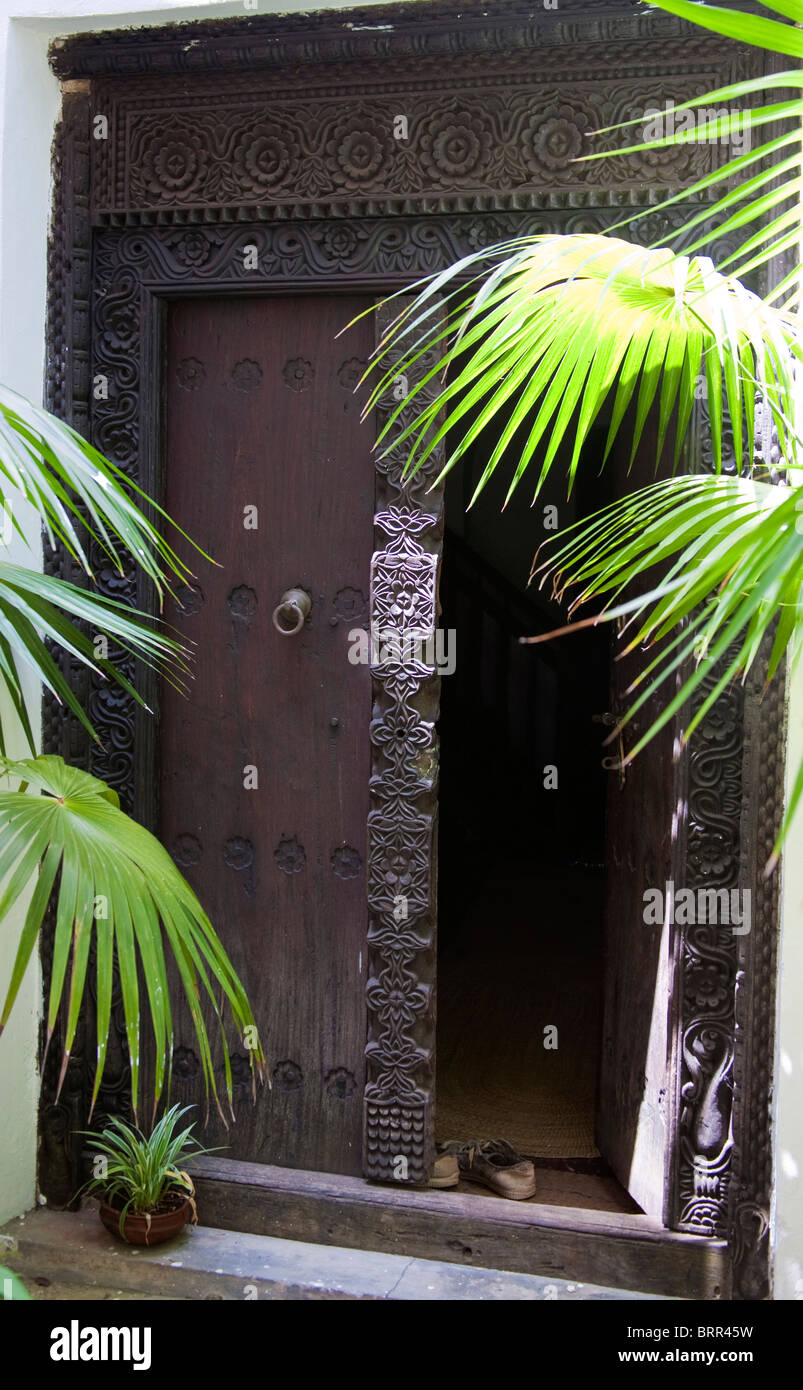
pixel 298 374
pixel 173 166
pixel 456 144
pixel 187 850
pixel 519 134
pixel 350 373
pixel 345 861
pixel 290 856
pixel 190 373
pixel 340 1083
pixel 246 375
pixel 265 158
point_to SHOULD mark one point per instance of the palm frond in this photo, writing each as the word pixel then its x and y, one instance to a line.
pixel 757 30
pixel 35 608
pixel 722 559
pixel 778 36
pixel 562 325
pixel 12 1287
pixel 113 880
pixel 76 491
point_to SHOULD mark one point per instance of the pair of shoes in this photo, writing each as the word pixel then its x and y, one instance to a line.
pixel 496 1164
pixel 446 1172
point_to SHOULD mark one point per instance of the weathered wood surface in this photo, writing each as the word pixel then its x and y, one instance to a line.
pixel 621 1251
pixel 261 414
pixel 632 1097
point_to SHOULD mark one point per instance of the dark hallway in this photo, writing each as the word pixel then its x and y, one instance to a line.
pixel 522 809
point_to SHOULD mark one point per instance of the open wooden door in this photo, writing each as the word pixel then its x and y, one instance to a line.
pixel 641 820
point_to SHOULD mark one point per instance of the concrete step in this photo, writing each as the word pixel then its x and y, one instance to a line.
pixel 69 1255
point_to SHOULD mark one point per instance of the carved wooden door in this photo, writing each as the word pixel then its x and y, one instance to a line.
pixel 641 817
pixel 265 766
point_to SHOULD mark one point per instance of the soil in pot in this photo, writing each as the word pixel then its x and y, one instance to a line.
pixel 150 1228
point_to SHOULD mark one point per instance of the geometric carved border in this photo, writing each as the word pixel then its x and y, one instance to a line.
pixel 763 793
pixel 400 1054
pixel 355 36
pixel 706 969
pixel 726 983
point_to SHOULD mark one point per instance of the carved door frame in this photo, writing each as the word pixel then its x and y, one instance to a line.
pixel 129 232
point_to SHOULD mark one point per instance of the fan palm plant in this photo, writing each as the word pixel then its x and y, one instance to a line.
pixel 545 332
pixel 61 829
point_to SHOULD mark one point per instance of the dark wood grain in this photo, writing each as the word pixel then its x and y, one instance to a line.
pixel 632 1098
pixel 257 416
pixel 615 1249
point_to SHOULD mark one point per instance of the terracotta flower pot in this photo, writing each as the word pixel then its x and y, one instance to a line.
pixel 150 1228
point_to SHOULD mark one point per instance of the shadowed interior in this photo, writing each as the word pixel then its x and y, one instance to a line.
pixel 522 834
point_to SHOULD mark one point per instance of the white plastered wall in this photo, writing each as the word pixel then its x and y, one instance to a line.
pixel 28 113
pixel 788 1223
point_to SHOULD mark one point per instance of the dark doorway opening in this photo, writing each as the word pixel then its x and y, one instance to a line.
pixel 521 842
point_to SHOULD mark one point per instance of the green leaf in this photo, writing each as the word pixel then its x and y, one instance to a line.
pixel 735 549
pixel 118 885
pixel 736 24
pixel 572 322
pixel 68 481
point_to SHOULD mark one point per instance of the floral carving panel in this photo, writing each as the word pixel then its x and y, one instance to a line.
pixel 399 1095
pixel 519 137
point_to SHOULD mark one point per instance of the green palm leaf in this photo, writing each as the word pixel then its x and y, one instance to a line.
pixel 560 327
pixel 723 561
pixel 77 495
pixel 115 882
pixel 756 30
pixel 778 37
pixel 72 487
pixel 72 841
pixel 38 607
pixel 565 323
pixel 11 1286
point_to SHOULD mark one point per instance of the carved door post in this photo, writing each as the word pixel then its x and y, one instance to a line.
pixel 398 1139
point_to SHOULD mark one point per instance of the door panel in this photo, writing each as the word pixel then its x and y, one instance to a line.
pixel 632 1098
pixel 265 766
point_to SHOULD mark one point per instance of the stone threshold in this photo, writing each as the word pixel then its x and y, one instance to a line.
pixel 69 1255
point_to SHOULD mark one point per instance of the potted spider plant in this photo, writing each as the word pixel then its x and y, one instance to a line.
pixel 146 1195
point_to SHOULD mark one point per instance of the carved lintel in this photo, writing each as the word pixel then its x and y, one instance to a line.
pixel 439 32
